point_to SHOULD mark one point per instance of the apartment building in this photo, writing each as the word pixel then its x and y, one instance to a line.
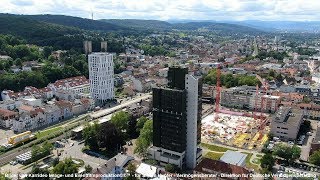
pixel 101 76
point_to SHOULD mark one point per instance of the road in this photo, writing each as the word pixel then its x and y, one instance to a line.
pixel 105 112
pixel 305 148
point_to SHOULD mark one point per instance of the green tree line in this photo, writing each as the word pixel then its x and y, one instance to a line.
pixel 229 80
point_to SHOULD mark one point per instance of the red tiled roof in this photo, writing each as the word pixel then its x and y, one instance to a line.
pixel 5 112
pixel 26 108
pixel 208 166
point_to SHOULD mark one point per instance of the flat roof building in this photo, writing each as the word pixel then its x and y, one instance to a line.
pixel 234 157
pixel 286 122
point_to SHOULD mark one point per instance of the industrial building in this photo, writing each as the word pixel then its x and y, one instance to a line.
pixel 101 76
pixel 286 122
pixel 177 120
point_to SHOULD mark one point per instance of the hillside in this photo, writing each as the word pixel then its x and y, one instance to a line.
pixel 119 25
pixel 140 24
pixel 36 32
pixel 81 23
pixel 163 25
pixel 218 27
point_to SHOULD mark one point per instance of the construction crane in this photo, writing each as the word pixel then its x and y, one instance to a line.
pixel 256 104
pixel 218 91
pixel 262 105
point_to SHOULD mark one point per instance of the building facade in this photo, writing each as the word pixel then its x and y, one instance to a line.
pixel 101 76
pixel 177 120
pixel 286 122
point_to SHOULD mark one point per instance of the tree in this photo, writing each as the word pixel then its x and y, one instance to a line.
pixel 140 123
pixel 3 177
pixel 132 171
pixel 88 168
pixel 37 170
pixel 51 58
pixel 66 167
pixel 315 158
pixel 47 51
pixel 171 168
pixel 18 62
pixel 287 152
pixel 120 120
pixel 145 138
pixel 108 137
pixel 272 73
pixel 90 135
pixel 39 152
pixel 267 162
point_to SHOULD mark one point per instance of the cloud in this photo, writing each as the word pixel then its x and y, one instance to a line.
pixel 169 9
pixel 22 3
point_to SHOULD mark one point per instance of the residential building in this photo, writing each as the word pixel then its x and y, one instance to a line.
pixel 245 97
pixel 114 166
pixel 29 118
pixel 70 88
pixel 7 117
pixel 52 113
pixel 104 45
pixel 220 170
pixel 286 122
pixel 65 109
pixel 177 120
pixel 101 76
pixel 315 143
pixel 87 46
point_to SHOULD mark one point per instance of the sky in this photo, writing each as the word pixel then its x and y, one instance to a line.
pixel 220 10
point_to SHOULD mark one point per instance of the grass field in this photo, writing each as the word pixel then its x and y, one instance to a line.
pixel 213 155
pixel 215 147
pixel 249 164
pixel 48 132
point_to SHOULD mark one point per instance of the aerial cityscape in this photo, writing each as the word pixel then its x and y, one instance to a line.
pixel 111 90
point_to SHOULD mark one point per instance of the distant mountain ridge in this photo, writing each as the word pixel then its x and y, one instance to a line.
pixel 130 24
pixel 81 23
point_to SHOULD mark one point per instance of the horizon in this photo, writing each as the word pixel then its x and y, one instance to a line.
pixel 165 10
pixel 169 20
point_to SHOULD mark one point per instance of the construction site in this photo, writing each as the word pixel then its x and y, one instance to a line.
pixel 241 129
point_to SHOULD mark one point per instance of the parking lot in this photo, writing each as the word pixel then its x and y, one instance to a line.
pixel 298 170
pixel 73 149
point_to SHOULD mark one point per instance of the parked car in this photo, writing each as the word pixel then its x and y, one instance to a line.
pixel 290 143
pixel 13 163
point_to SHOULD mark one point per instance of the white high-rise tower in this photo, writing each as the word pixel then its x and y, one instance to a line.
pixel 101 76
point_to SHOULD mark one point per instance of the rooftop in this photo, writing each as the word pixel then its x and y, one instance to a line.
pixel 233 157
pixel 288 115
pixel 147 170
pixel 209 166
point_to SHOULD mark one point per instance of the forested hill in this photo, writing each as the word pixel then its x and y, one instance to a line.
pixel 140 24
pixel 36 32
pixel 163 25
pixel 127 25
pixel 82 23
pixel 218 27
